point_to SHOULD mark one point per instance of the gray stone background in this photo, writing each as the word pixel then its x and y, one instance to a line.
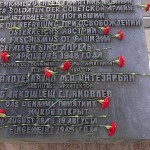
pixel 138 145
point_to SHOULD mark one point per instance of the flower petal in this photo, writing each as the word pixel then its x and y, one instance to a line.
pixel 121 61
pixel 106 30
pixel 65 66
pixel 2 111
pixel 112 129
pixel 47 73
pixel 105 103
pixel 4 57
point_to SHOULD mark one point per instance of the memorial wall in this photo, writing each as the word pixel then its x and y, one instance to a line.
pixel 73 70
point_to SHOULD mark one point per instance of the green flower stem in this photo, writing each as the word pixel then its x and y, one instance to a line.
pixel 70 68
pixel 18 74
pixel 19 61
pixel 47 28
pixel 24 20
pixel 1 20
pixel 43 61
pixel 62 5
pixel 101 28
pixel 40 43
pixel 74 82
pixel 14 100
pixel 1 127
pixel 138 6
pixel 50 5
pixel 79 73
pixel 90 50
pixel 41 35
pixel 53 104
pixel 14 28
pixel 2 115
pixel 9 55
pixel 19 85
pixel 59 27
pixel 36 124
pixel 76 125
pixel 75 116
pixel 11 74
pixel 49 125
pixel 39 6
pixel 46 19
pixel 143 74
pixel 118 73
pixel 82 34
pixel 115 36
pixel 61 35
pixel 45 43
pixel 100 101
pixel 116 61
pixel 112 4
pixel 107 127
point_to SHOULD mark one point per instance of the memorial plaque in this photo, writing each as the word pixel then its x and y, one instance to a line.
pixel 73 70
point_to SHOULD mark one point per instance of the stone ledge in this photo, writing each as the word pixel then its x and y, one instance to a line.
pixel 145 145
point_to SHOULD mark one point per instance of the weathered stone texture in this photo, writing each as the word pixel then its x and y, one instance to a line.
pixel 73 146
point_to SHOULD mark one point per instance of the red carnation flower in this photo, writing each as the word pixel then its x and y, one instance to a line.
pixel 111 128
pixel 48 73
pixel 105 30
pixel 2 111
pixel 146 7
pixel 120 35
pixel 120 61
pixel 5 57
pixel 65 66
pixel 104 103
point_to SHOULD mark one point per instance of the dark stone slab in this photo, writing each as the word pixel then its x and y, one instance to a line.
pixel 129 106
